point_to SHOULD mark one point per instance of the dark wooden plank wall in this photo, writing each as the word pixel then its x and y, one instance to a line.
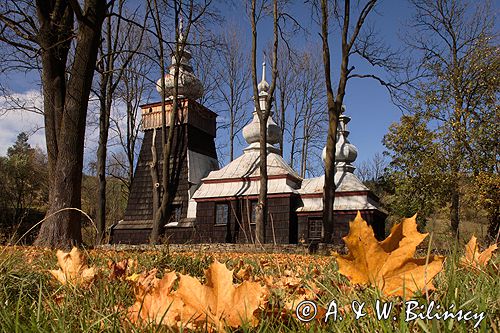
pixel 239 228
pixel 341 223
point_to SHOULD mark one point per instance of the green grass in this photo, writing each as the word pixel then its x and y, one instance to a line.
pixel 31 301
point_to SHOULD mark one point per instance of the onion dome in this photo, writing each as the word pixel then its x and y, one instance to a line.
pixel 345 152
pixel 251 132
pixel 189 85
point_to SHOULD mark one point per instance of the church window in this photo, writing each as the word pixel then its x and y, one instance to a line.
pixel 315 228
pixel 176 213
pixel 253 213
pixel 221 213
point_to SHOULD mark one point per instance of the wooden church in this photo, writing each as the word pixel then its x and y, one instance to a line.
pixel 213 204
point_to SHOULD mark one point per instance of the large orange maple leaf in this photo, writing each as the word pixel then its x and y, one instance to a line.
pixel 388 265
pixel 220 303
pixel 74 269
pixel 215 305
pixel 156 302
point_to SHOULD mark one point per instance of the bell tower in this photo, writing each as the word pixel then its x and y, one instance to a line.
pixel 193 157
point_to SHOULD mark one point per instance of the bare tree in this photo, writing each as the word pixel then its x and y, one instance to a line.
pixel 47 31
pixel 114 61
pixel 373 169
pixel 263 114
pixel 352 42
pixel 285 86
pixel 233 76
pixel 204 51
pixel 192 13
pixel 133 89
pixel 308 98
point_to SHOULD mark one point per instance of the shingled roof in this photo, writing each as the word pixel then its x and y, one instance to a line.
pixel 241 177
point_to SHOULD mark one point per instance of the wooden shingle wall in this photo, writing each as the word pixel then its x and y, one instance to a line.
pixel 239 229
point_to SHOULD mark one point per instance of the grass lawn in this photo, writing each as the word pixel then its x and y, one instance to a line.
pixel 33 301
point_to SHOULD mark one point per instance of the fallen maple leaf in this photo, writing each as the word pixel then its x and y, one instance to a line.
pixel 156 302
pixel 245 273
pixel 388 265
pixel 216 304
pixel 118 270
pixel 475 259
pixel 220 303
pixel 74 269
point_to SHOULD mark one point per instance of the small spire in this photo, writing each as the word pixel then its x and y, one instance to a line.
pixel 263 85
pixel 264 71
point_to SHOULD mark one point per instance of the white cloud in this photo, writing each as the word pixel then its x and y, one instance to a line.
pixel 14 121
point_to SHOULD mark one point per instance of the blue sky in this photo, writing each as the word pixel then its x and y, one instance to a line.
pixel 366 101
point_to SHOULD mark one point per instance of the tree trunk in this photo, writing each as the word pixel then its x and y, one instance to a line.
pixel 329 186
pixel 334 107
pixel 101 176
pixel 294 137
pixel 154 175
pixel 64 228
pixel 304 150
pixel 165 208
pixel 261 209
pixel 455 211
pixel 494 225
pixel 231 132
pixel 282 118
pixel 105 111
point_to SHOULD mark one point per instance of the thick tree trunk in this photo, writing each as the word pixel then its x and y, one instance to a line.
pixel 63 229
pixel 261 209
pixel 334 110
pixel 54 38
pixel 329 186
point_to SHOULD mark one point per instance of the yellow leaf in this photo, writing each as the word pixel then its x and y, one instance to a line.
pixel 74 269
pixel 134 277
pixel 388 265
pixel 475 259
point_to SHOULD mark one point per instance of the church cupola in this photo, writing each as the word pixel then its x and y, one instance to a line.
pixel 189 85
pixel 345 152
pixel 251 132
